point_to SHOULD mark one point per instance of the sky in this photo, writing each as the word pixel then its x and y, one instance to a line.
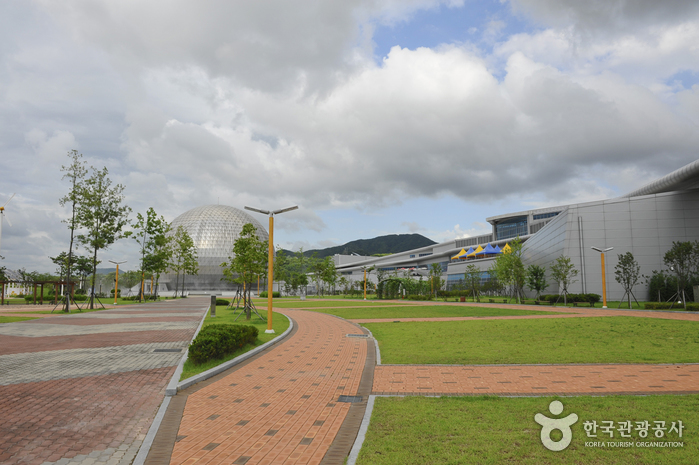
pixel 373 116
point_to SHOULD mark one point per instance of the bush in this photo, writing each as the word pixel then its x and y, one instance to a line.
pixel 418 297
pixel 218 340
pixel 591 298
pixel 80 292
pixel 691 306
pixel 222 302
pixel 79 298
pixel 112 293
pixel 274 294
pixel 29 298
pixel 454 293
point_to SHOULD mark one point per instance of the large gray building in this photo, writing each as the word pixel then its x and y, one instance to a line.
pixel 644 222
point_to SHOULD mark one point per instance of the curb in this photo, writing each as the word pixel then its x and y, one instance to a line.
pixel 241 358
pixel 359 441
pixel 171 388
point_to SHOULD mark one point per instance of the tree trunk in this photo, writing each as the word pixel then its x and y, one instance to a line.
pixel 94 277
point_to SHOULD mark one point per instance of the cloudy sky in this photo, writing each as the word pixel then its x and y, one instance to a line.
pixel 374 116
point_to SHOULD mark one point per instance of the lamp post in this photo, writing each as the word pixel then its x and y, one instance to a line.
pixel 604 277
pixel 116 283
pixel 270 259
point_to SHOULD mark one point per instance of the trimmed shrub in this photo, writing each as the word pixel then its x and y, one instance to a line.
pixel 218 340
pixel 80 298
pixel 691 306
pixel 112 293
pixel 222 302
pixel 30 298
pixel 418 297
pixel 274 294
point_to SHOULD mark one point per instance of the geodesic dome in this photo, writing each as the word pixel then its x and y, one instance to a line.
pixel 214 229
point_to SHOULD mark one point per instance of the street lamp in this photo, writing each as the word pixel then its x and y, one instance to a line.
pixel 604 277
pixel 270 259
pixel 116 283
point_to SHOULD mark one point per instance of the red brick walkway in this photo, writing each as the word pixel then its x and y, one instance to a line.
pixel 528 380
pixel 282 407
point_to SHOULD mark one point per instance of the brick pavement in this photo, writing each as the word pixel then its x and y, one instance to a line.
pixel 283 406
pixel 528 380
pixel 76 409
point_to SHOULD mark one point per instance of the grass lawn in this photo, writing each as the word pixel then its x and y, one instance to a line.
pixel 14 319
pixel 412 311
pixel 564 340
pixel 495 430
pixel 280 323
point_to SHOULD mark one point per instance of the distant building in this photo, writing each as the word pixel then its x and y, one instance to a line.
pixel 214 229
pixel 644 222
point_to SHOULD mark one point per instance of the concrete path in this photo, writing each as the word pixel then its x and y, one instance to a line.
pixel 84 388
pixel 284 406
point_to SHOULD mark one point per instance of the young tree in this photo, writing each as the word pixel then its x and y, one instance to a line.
pixel 563 272
pixel 151 234
pixel 75 173
pixel 184 256
pixel 329 274
pixel 627 273
pixel 680 261
pixel 435 277
pixel 102 214
pixel 509 269
pixel 536 279
pixel 249 260
pixel 472 278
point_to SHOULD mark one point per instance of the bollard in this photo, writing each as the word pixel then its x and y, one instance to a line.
pixel 213 306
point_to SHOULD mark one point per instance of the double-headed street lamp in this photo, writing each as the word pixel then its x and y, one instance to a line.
pixel 604 276
pixel 116 282
pixel 270 259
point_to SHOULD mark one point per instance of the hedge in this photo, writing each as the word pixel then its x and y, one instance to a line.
pixel 222 302
pixel 591 298
pixel 459 293
pixel 418 297
pixel 218 340
pixel 691 306
pixel 274 294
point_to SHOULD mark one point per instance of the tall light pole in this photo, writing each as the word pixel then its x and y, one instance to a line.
pixel 116 283
pixel 270 259
pixel 604 276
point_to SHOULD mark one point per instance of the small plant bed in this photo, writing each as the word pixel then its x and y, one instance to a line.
pixel 531 341
pixel 14 319
pixel 495 430
pixel 427 311
pixel 223 316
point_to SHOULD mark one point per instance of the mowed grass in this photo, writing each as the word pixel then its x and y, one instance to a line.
pixel 495 430
pixel 14 319
pixel 280 323
pixel 559 340
pixel 434 311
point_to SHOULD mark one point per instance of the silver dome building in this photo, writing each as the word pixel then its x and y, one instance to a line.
pixel 214 229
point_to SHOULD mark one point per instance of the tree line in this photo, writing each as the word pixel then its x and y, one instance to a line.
pixel 99 217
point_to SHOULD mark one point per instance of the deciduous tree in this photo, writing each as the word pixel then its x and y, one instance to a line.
pixel 103 216
pixel 563 272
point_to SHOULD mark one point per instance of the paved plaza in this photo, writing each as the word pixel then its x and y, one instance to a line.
pixel 85 388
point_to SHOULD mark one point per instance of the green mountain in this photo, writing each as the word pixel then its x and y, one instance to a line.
pixel 392 243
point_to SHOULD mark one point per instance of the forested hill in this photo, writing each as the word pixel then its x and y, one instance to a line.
pixel 392 243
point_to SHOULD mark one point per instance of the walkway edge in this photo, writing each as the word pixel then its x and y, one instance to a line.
pixel 376 345
pixel 241 358
pixel 152 431
pixel 359 441
pixel 171 388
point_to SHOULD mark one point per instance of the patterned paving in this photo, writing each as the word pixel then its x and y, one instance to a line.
pixel 281 408
pixel 528 380
pixel 87 393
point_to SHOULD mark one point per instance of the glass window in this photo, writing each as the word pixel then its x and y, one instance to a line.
pixel 511 227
